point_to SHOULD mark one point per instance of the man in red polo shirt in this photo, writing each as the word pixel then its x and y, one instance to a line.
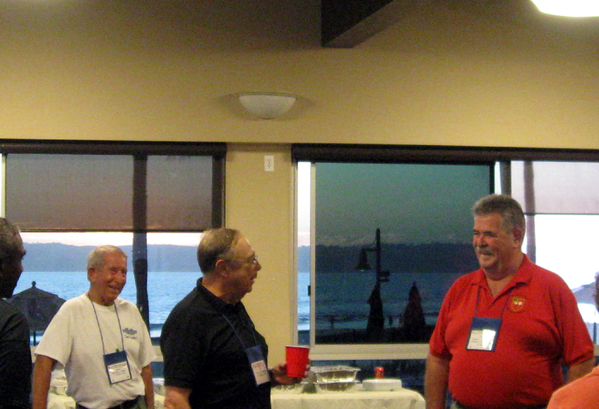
pixel 505 330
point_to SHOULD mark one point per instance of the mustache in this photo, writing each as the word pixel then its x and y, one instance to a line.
pixel 484 251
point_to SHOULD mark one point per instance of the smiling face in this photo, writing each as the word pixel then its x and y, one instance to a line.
pixel 108 281
pixel 497 250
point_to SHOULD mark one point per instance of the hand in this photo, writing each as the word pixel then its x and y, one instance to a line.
pixel 279 375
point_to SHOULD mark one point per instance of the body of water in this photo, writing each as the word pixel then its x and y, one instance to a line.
pixel 342 298
pixel 342 295
pixel 165 290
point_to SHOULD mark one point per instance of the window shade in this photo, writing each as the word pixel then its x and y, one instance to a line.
pixel 69 192
pixel 557 187
pixel 179 193
pixel 72 192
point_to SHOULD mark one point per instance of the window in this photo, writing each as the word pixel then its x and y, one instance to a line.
pixel 152 200
pixel 352 190
pixel 561 204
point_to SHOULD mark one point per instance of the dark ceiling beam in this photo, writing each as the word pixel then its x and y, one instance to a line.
pixel 347 23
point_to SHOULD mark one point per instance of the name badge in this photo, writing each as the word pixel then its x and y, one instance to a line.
pixel 483 334
pixel 258 364
pixel 117 367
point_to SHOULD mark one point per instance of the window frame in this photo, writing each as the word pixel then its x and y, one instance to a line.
pixel 140 151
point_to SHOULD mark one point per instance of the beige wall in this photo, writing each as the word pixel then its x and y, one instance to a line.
pixel 259 203
pixel 151 70
pixel 169 70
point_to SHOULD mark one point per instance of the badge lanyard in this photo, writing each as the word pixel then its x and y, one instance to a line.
pixel 484 331
pixel 255 356
pixel 117 366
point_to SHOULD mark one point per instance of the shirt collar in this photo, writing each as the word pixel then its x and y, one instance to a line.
pixel 216 302
pixel 522 276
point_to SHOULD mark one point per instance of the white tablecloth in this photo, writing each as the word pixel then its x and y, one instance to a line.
pixel 401 399
pixel 56 401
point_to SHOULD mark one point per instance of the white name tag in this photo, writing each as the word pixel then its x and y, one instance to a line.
pixel 483 340
pixel 483 334
pixel 260 372
pixel 258 364
pixel 117 367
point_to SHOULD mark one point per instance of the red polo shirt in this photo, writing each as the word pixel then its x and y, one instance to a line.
pixel 541 328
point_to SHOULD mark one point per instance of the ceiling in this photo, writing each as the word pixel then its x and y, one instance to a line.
pixel 347 23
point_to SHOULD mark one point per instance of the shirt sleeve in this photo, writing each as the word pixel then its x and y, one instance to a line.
pixel 437 344
pixel 577 344
pixel 56 341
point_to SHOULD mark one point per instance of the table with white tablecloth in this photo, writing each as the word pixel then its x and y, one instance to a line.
pixel 400 399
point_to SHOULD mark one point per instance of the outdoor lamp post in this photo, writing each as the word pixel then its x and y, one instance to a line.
pixel 376 318
pixel 381 276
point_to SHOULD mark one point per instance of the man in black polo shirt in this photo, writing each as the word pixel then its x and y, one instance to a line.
pixel 213 355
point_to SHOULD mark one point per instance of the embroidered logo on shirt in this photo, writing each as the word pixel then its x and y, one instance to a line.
pixel 517 303
pixel 130 333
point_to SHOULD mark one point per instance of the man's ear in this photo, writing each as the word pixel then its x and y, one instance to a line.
pixel 518 235
pixel 221 267
pixel 91 274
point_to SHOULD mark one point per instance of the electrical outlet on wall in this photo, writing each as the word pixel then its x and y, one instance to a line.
pixel 269 163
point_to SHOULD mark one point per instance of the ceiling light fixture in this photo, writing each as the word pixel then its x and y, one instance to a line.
pixel 569 8
pixel 267 105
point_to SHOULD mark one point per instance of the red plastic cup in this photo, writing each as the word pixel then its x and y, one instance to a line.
pixel 297 357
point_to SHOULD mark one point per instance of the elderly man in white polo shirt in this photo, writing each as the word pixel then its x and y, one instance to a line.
pixel 101 341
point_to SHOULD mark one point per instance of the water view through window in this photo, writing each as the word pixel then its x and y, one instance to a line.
pixel 564 244
pixel 388 240
pixel 56 262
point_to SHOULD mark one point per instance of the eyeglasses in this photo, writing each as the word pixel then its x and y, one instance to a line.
pixel 253 260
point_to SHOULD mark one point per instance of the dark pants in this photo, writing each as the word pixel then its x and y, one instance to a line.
pixel 137 403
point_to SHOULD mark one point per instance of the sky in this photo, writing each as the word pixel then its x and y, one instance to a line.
pixel 410 203
pixel 116 239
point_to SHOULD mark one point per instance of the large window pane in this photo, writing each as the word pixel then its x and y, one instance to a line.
pixel 423 215
pixel 152 200
pixel 171 259
pixel 574 260
pixel 56 263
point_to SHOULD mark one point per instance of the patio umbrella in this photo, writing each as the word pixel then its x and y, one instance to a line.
pixel 38 306
pixel 376 318
pixel 414 322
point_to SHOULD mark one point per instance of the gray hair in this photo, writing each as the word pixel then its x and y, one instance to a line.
pixel 10 239
pixel 97 257
pixel 507 207
pixel 216 244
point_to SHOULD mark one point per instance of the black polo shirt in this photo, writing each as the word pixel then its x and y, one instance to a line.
pixel 203 342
